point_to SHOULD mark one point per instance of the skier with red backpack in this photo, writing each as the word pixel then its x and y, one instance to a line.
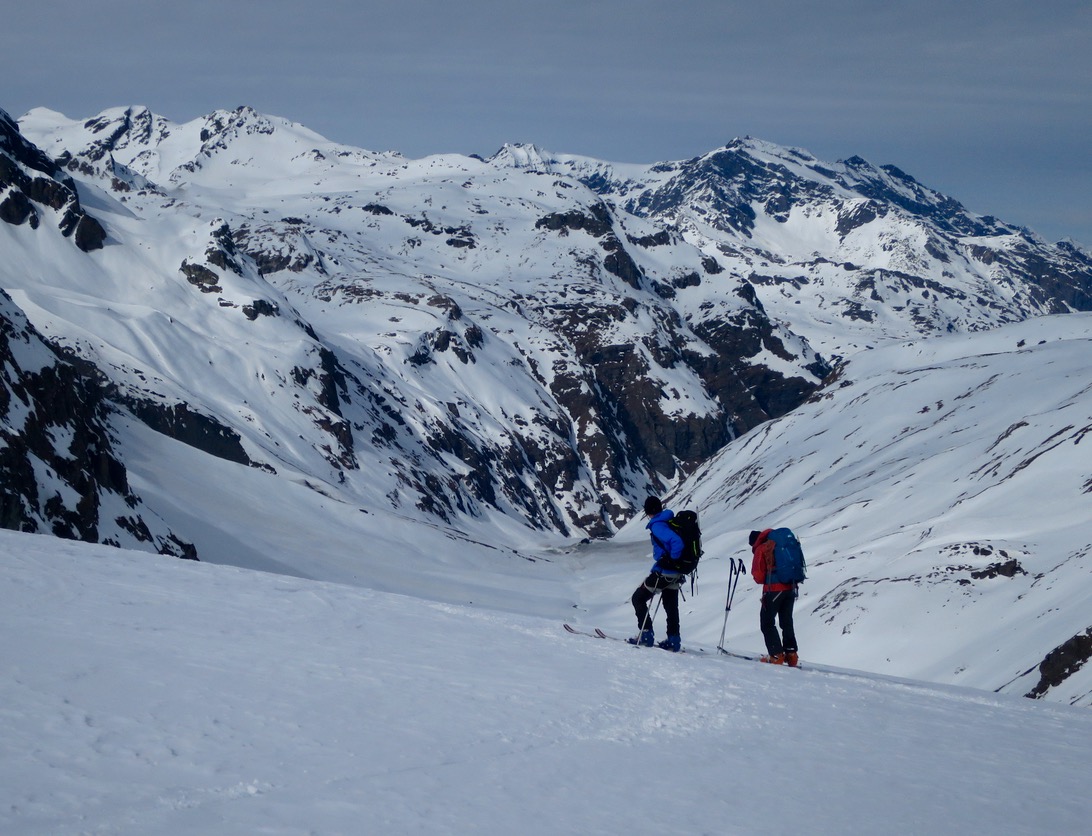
pixel 778 564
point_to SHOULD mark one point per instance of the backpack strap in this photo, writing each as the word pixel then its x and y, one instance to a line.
pixel 661 543
pixel 768 546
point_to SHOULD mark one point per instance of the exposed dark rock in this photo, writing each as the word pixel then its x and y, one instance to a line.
pixel 751 394
pixel 260 307
pixel 460 236
pixel 222 253
pixel 16 209
pixel 686 280
pixel 855 217
pixel 446 304
pixel 1062 662
pixel 89 234
pixel 596 222
pixel 26 154
pixel 202 432
pixel 273 248
pixel 1009 569
pixel 53 190
pixel 659 239
pixel 622 265
pixel 201 277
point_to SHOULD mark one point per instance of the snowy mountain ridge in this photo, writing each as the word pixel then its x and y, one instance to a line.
pixel 321 356
pixel 851 254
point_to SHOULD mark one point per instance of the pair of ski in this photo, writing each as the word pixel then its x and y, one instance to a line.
pixel 595 634
pixel 599 634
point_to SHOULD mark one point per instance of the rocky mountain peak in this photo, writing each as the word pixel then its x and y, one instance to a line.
pixel 31 184
pixel 523 156
pixel 223 125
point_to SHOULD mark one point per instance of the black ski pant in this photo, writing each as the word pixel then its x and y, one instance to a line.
pixel 778 605
pixel 669 594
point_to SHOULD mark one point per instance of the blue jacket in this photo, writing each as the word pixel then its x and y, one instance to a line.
pixel 665 542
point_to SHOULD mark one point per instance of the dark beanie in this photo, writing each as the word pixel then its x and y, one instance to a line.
pixel 754 537
pixel 653 506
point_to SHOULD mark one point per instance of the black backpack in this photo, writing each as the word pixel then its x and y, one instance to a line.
pixel 685 524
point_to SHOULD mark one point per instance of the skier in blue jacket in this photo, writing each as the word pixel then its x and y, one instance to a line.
pixel 665 544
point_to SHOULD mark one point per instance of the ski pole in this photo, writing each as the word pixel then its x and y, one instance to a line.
pixel 737 569
pixel 728 600
pixel 739 572
pixel 650 619
pixel 733 585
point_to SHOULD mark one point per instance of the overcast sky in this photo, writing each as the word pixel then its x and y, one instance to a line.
pixel 989 101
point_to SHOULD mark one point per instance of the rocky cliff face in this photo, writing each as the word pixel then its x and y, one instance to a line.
pixel 59 474
pixel 32 186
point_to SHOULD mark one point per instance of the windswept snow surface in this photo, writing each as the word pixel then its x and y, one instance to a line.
pixel 149 695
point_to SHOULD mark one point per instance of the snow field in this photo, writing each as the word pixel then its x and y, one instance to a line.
pixel 144 694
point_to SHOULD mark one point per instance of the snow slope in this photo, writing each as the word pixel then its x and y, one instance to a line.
pixel 941 490
pixel 148 695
